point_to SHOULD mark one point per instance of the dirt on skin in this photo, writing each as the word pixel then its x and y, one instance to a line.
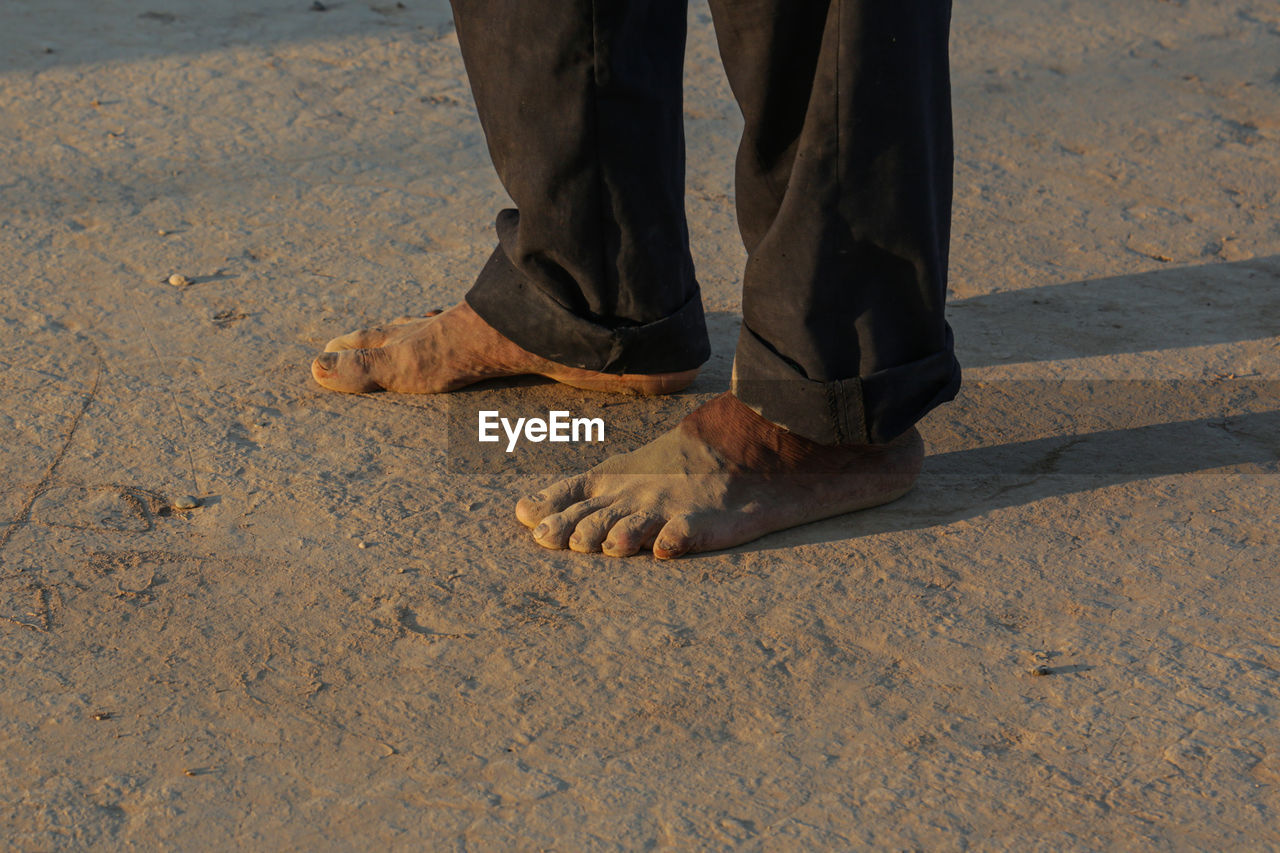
pixel 1098 507
pixel 447 350
pixel 723 476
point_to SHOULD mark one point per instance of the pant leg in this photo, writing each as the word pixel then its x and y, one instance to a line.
pixel 581 104
pixel 844 202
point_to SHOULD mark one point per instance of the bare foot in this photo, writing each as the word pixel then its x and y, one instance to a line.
pixel 445 351
pixel 724 476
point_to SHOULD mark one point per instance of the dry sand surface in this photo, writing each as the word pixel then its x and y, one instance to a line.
pixel 1103 502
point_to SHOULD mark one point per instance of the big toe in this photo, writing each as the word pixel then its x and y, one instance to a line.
pixel 351 371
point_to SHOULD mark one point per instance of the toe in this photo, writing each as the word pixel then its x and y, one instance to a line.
pixel 632 535
pixel 554 530
pixel 593 529
pixel 353 371
pixel 675 540
pixel 531 510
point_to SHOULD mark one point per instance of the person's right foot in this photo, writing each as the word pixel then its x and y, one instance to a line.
pixel 722 477
pixel 448 350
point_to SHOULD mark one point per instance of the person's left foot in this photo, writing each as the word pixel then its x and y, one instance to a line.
pixel 722 477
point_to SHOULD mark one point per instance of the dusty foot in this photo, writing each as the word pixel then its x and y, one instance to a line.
pixel 724 476
pixel 447 350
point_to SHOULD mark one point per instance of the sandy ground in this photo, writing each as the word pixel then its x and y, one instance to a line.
pixel 1103 501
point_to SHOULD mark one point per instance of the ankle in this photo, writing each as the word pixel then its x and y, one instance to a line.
pixel 750 442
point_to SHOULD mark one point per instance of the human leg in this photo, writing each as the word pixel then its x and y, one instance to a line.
pixel 844 184
pixel 844 203
pixel 581 107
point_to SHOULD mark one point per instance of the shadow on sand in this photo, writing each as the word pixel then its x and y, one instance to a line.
pixel 1058 438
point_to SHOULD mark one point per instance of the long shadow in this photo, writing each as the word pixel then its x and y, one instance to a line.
pixel 967 483
pixel 122 31
pixel 1165 309
pixel 70 32
pixel 1059 438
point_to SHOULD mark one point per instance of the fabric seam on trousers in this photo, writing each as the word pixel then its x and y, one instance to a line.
pixel 833 410
pixel 770 374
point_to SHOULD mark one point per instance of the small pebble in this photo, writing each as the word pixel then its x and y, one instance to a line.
pixel 178 280
pixel 1042 670
pixel 362 544
pixel 186 502
pixel 162 232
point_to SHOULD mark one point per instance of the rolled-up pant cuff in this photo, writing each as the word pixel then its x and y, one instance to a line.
pixel 872 409
pixel 506 300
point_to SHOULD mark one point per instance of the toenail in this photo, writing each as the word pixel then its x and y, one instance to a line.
pixel 327 361
pixel 609 545
pixel 540 531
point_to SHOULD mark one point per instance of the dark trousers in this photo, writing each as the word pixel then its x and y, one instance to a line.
pixel 843 197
